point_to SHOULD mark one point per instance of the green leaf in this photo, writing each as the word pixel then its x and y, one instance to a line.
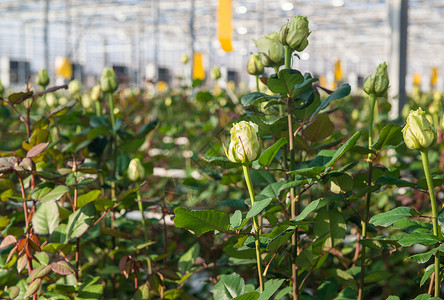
pixel 228 287
pixel 320 129
pixel 186 261
pixel 248 296
pixel 392 298
pixel 332 223
pixel 94 291
pixel 33 287
pixel 46 218
pixel 91 196
pixel 307 210
pixel 142 293
pixel 270 287
pixel 418 238
pixel 389 180
pixel 236 219
pixel 62 267
pixel 203 221
pixel 36 150
pixel 79 221
pixel 221 162
pixel 55 194
pixel 311 172
pixel 13 292
pixel 344 278
pixel 428 272
pixel 284 83
pixel 256 97
pixel 17 98
pixel 390 135
pixel 388 218
pixel 268 155
pixel 341 92
pixel 283 292
pixel 258 207
pixel 421 258
pixel 424 297
pixel 343 149
pixel 328 288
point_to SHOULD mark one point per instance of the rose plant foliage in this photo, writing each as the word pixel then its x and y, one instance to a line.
pixel 291 191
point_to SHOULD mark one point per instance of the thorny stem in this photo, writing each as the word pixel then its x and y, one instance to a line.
pixel 426 165
pixel 368 196
pixel 255 225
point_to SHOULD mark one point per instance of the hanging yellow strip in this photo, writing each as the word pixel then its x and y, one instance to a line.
pixel 434 77
pixel 417 79
pixel 63 67
pixel 198 68
pixel 338 71
pixel 224 27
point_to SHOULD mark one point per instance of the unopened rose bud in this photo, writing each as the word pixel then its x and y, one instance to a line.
pixel 42 78
pixel 215 73
pixel 74 87
pixel 272 51
pixel 184 59
pixel 418 133
pixel 108 81
pixel 136 171
pixel 245 145
pixel 255 66
pixel 96 93
pixel 295 33
pixel 377 83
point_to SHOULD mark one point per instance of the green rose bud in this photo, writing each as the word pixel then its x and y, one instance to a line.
pixel 42 78
pixel 74 87
pixel 184 59
pixel 215 73
pixel 377 83
pixel 86 101
pixel 96 93
pixel 244 146
pixel 272 52
pixel 255 66
pixel 418 133
pixel 295 33
pixel 136 171
pixel 108 81
pixel 51 99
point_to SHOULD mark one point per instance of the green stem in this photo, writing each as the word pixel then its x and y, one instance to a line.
pixel 111 109
pixel 257 84
pixel 256 227
pixel 98 109
pixel 288 53
pixel 139 203
pixel 276 70
pixel 368 196
pixel 426 165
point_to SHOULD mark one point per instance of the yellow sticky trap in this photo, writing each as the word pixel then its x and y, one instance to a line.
pixel 224 26
pixel 198 69
pixel 434 76
pixel 63 67
pixel 417 79
pixel 338 71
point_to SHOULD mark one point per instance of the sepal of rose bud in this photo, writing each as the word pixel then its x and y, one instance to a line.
pixel 418 133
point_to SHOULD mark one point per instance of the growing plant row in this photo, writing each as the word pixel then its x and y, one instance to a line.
pixel 293 191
